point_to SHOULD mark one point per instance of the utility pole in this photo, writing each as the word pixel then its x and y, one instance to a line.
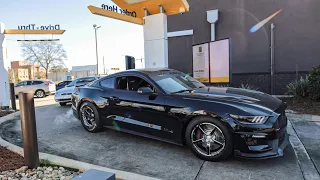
pixel 95 31
pixel 104 67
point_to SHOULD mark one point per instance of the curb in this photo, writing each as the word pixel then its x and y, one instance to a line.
pixel 315 118
pixel 61 161
pixel 306 165
pixel 311 118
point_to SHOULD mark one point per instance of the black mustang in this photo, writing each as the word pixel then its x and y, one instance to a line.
pixel 171 106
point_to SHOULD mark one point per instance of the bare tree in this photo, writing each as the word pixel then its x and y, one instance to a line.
pixel 47 54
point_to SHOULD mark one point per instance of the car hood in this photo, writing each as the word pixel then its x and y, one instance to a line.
pixel 237 95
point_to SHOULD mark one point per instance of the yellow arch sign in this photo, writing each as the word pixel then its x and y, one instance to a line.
pixel 134 10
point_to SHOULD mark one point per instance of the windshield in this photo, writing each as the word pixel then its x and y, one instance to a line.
pixel 173 81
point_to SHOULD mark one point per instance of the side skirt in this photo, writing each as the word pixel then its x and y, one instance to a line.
pixel 144 135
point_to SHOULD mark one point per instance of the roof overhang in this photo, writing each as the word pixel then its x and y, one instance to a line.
pixel 115 15
pixel 171 6
pixel 134 10
pixel 17 31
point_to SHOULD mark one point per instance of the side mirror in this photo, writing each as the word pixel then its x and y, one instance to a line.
pixel 145 91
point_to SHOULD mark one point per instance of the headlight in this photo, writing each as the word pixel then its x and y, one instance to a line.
pixel 250 119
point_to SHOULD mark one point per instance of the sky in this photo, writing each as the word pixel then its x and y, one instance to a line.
pixel 115 38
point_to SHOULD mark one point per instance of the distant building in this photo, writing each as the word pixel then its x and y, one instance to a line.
pixel 22 70
pixel 82 71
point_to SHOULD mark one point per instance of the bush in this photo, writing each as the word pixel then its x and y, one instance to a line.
pixel 299 88
pixel 248 86
pixel 314 84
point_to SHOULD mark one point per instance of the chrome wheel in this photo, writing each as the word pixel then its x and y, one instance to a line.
pixel 88 117
pixel 208 139
pixel 40 94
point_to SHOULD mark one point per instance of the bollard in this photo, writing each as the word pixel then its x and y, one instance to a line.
pixel 12 97
pixel 29 129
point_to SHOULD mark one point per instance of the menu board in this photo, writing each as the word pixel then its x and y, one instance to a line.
pixel 201 62
pixel 211 62
pixel 220 61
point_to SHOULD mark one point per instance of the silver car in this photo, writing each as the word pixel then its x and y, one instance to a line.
pixel 63 96
pixel 40 88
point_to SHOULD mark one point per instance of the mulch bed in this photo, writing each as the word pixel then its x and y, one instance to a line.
pixel 4 113
pixel 303 106
pixel 10 160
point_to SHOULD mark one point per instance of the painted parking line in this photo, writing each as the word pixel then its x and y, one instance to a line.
pixel 307 167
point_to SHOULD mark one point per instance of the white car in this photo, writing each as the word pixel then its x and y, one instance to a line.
pixel 40 88
pixel 63 96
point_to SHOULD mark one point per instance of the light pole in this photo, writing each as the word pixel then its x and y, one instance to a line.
pixel 95 31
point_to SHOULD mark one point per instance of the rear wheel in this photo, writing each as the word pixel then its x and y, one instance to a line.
pixel 89 117
pixel 209 139
pixel 40 93
pixel 63 104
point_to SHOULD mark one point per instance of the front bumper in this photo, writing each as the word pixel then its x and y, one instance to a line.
pixel 263 141
pixel 62 98
pixel 273 148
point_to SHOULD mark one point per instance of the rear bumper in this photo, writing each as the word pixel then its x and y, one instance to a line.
pixel 50 92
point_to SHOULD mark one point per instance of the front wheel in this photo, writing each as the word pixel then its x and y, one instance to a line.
pixel 209 139
pixel 89 117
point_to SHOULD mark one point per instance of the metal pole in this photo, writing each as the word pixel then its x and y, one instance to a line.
pixel 13 97
pixel 95 30
pixel 272 57
pixel 29 129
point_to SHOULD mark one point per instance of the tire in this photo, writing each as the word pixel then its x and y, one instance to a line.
pixel 210 147
pixel 63 104
pixel 89 107
pixel 40 93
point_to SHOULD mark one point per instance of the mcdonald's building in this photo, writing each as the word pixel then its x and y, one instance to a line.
pixel 283 49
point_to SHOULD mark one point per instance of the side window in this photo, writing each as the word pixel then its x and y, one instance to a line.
pixel 122 83
pixel 29 83
pixel 107 83
pixel 86 80
pixel 132 83
pixel 21 84
pixel 36 82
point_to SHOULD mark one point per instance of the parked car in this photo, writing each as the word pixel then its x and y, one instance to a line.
pixel 63 96
pixel 62 84
pixel 41 88
pixel 168 105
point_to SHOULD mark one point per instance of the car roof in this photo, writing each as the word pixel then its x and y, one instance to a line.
pixel 146 71
pixel 87 77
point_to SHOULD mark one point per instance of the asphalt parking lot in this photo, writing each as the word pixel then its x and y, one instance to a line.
pixel 61 134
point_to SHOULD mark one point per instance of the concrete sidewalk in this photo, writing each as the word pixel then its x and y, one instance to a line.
pixel 307 128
